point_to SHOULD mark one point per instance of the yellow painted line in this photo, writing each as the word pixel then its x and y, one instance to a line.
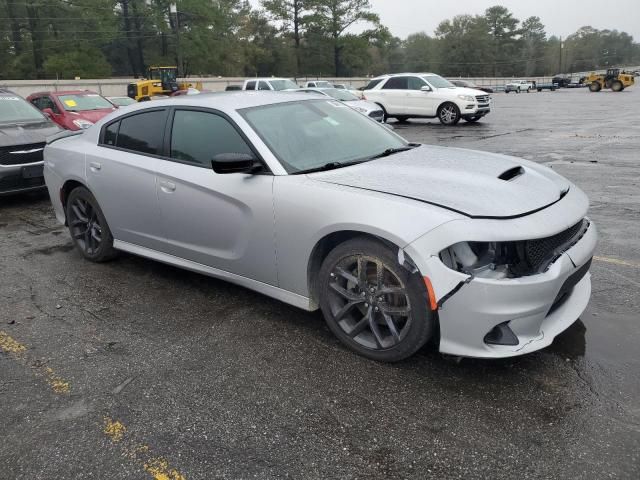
pixel 615 261
pixel 9 345
pixel 17 350
pixel 157 467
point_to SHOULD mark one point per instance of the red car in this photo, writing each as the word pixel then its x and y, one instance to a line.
pixel 74 109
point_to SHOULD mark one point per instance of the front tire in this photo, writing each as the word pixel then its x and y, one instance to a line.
pixel 88 226
pixel 372 304
pixel 595 87
pixel 449 113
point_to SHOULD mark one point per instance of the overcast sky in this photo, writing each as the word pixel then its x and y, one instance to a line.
pixel 561 17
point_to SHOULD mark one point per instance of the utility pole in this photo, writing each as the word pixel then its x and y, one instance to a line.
pixel 173 9
pixel 560 66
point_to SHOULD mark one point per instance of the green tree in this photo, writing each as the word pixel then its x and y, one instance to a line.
pixel 503 29
pixel 533 39
pixel 292 16
pixel 334 17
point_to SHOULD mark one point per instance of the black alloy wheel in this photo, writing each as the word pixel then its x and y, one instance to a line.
pixel 88 227
pixel 372 304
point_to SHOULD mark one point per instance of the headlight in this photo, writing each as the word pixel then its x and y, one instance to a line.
pixel 467 98
pixel 494 260
pixel 360 109
pixel 83 124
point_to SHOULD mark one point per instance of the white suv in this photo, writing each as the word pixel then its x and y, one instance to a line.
pixel 277 84
pixel 427 95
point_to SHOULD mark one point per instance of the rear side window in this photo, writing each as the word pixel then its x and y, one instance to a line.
pixel 197 137
pixel 111 134
pixel 251 85
pixel 143 132
pixel 372 84
pixel 397 83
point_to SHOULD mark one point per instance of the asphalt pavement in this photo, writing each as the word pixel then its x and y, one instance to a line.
pixel 137 370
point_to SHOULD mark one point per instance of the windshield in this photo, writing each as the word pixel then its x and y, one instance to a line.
pixel 309 134
pixel 122 101
pixel 283 84
pixel 437 81
pixel 341 95
pixel 83 103
pixel 15 109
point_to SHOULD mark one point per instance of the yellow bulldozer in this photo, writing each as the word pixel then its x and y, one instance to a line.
pixel 159 81
pixel 613 79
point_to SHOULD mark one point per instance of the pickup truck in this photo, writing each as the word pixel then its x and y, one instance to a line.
pixel 519 86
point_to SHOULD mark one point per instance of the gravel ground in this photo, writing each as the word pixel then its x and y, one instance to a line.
pixel 137 370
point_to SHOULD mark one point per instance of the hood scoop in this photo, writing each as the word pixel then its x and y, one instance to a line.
pixel 472 183
pixel 511 174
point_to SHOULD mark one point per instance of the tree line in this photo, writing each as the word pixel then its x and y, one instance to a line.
pixel 293 38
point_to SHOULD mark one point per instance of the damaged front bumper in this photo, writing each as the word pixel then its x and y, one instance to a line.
pixel 491 318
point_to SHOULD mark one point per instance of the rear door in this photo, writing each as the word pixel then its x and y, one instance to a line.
pixel 394 95
pixel 223 221
pixel 121 173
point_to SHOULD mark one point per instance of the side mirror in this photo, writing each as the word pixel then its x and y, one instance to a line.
pixel 426 88
pixel 224 163
pixel 48 112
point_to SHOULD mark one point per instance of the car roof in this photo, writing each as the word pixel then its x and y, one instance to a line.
pixel 57 93
pixel 233 100
pixel 405 74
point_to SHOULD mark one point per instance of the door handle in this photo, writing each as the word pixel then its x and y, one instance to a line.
pixel 95 166
pixel 167 187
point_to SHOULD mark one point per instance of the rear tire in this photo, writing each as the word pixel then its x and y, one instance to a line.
pixel 88 226
pixel 449 113
pixel 595 87
pixel 372 304
pixel 617 86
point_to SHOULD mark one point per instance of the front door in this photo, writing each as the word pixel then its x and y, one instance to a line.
pixel 419 102
pixel 223 221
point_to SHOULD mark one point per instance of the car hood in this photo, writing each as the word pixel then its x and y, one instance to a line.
pixel 469 91
pixel 92 115
pixel 475 184
pixel 369 106
pixel 26 133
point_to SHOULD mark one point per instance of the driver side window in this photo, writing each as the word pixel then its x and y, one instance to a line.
pixel 416 83
pixel 197 137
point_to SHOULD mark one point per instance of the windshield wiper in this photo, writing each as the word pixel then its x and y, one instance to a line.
pixel 392 151
pixel 328 166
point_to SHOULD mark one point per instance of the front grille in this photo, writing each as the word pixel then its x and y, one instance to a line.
pixel 21 154
pixel 542 252
pixel 482 98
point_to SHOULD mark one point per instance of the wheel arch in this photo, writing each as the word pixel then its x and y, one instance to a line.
pixel 67 187
pixel 325 245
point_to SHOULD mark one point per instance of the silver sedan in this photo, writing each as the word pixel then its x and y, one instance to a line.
pixel 303 199
pixel 368 109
